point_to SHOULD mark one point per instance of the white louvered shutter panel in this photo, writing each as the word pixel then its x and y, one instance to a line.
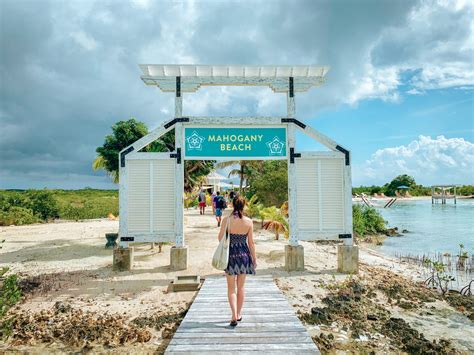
pixel 307 194
pixel 151 202
pixel 320 198
pixel 138 174
pixel 164 196
pixel 332 194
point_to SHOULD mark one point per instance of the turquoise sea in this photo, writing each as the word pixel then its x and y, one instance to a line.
pixel 432 228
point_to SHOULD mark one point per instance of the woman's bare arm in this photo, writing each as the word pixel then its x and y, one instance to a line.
pixel 252 246
pixel 222 230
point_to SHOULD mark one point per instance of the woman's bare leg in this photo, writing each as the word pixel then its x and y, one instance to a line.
pixel 240 293
pixel 231 295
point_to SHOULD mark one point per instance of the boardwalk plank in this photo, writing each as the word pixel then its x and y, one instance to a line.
pixel 248 317
pixel 269 323
pixel 247 340
pixel 241 352
pixel 226 334
pixel 239 347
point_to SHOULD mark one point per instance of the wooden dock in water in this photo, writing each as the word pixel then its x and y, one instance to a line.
pixel 269 323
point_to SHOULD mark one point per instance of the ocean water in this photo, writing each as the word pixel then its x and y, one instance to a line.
pixel 432 228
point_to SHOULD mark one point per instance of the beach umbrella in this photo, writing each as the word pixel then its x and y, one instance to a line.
pixel 403 187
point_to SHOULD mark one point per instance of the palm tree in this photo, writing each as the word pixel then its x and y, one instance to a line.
pixel 235 172
pixel 253 208
pixel 195 171
pixel 275 221
pixel 99 163
pixel 244 172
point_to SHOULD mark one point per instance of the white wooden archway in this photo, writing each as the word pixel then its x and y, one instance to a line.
pixel 319 183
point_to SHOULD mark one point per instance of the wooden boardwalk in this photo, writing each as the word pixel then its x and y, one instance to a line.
pixel 269 323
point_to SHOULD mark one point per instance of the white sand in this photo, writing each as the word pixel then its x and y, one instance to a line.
pixel 73 254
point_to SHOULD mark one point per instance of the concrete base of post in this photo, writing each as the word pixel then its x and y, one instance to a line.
pixel 348 259
pixel 179 258
pixel 294 257
pixel 123 259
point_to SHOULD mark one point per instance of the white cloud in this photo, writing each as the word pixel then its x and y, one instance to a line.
pixel 376 83
pixel 376 50
pixel 414 92
pixel 436 42
pixel 144 4
pixel 428 160
pixel 84 40
pixel 444 76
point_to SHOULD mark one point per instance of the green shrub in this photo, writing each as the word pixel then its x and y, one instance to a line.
pixel 190 200
pixel 17 216
pixel 465 190
pixel 12 198
pixel 270 183
pixel 43 204
pixel 10 294
pixel 89 210
pixel 87 203
pixel 15 206
pixel 37 205
pixel 367 221
pixel 253 208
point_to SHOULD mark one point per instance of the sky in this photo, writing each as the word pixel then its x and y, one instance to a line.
pixel 399 94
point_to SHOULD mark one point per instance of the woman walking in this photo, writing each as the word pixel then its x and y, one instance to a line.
pixel 242 257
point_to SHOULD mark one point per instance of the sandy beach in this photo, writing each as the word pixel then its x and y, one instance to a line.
pixel 69 263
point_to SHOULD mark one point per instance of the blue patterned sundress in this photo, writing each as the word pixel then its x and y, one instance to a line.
pixel 240 259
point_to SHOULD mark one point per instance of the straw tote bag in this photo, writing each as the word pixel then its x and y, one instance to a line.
pixel 221 255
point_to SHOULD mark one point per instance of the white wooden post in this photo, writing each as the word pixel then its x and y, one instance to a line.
pixel 178 133
pixel 122 204
pixel 292 198
pixel 348 204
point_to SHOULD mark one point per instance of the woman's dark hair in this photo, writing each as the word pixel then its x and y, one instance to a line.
pixel 239 203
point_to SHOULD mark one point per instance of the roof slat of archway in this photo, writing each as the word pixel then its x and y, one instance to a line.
pixel 195 76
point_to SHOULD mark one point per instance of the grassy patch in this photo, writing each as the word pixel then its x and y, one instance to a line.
pixel 10 294
pixel 33 206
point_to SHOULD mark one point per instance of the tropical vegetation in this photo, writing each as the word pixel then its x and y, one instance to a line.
pixel 268 180
pixel 367 221
pixel 33 206
pixel 10 294
pixel 414 189
pixel 127 132
pixel 275 221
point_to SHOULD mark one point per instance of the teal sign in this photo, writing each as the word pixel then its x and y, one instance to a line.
pixel 233 142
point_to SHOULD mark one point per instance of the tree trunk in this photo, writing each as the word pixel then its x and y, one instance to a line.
pixel 241 176
pixel 277 236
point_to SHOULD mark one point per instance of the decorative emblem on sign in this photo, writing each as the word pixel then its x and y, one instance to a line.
pixel 276 146
pixel 195 141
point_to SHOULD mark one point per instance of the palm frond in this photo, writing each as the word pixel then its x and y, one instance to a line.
pixel 235 172
pixel 226 164
pixel 98 163
pixel 274 226
pixel 284 209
